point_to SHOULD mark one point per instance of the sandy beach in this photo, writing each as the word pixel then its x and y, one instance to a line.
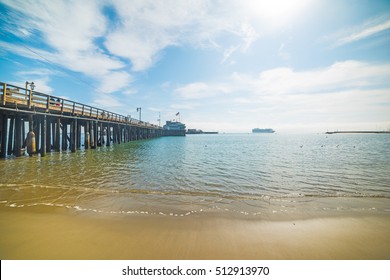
pixel 39 233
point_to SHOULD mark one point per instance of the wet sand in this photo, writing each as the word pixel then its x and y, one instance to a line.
pixel 39 233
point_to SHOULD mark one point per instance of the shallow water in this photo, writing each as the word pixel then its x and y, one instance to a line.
pixel 244 174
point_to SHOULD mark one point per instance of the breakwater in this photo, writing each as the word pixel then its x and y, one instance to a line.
pixel 357 132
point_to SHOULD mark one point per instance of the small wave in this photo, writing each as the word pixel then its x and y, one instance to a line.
pixel 31 191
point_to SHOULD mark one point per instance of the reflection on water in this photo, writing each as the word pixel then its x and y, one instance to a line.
pixel 238 173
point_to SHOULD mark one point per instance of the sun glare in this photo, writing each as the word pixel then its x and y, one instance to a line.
pixel 276 12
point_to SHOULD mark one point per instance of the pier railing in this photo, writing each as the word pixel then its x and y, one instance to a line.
pixel 19 98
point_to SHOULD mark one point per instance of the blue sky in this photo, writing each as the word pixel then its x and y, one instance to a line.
pixel 229 66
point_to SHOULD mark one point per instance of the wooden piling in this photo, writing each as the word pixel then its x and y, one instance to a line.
pixel 87 134
pixel 64 136
pixel 108 133
pixel 23 129
pixel 4 130
pixel 18 136
pixel 1 132
pixel 58 135
pixel 78 135
pixel 48 134
pixel 95 132
pixel 91 135
pixel 11 135
pixel 37 128
pixel 73 138
pixel 101 142
pixel 53 134
pixel 43 136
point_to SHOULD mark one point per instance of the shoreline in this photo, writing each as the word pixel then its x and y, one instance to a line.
pixel 43 233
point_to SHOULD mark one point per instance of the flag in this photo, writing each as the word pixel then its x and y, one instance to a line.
pixel 177 113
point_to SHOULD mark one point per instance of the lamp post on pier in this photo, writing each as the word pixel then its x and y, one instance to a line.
pixel 32 86
pixel 139 110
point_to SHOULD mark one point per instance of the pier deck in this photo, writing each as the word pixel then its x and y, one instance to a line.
pixel 41 123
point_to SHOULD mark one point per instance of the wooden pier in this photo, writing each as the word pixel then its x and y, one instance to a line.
pixel 33 122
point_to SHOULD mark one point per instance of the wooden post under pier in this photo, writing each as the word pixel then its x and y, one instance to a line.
pixel 48 134
pixel 58 135
pixel 18 136
pixel 11 132
pixel 4 130
pixel 53 134
pixel 43 136
pixel 64 136
pixel 73 138
pixel 108 135
pixel 101 142
pixel 95 132
pixel 36 130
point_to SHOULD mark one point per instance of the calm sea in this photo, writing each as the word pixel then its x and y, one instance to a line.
pixel 248 174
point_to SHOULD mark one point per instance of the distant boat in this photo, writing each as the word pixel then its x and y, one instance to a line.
pixel 263 130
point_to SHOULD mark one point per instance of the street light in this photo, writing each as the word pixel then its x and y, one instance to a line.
pixel 139 110
pixel 32 85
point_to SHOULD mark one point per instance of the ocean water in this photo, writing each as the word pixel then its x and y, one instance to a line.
pixel 234 174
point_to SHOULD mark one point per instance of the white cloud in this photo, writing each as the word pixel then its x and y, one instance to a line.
pixel 154 109
pixel 228 52
pixel 150 26
pixel 249 35
pixel 115 81
pixel 347 92
pixel 283 53
pixel 340 75
pixel 201 90
pixel 364 33
pixel 38 72
pixel 80 36
pixel 142 30
pixel 374 26
pixel 41 84
pixel 108 102
pixel 186 106
pixel 71 37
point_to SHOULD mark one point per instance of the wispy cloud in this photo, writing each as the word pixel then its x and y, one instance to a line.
pixel 228 52
pixel 370 28
pixel 115 81
pixel 202 90
pixel 106 101
pixel 366 32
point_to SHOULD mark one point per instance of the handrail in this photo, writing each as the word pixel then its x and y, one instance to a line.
pixel 11 94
